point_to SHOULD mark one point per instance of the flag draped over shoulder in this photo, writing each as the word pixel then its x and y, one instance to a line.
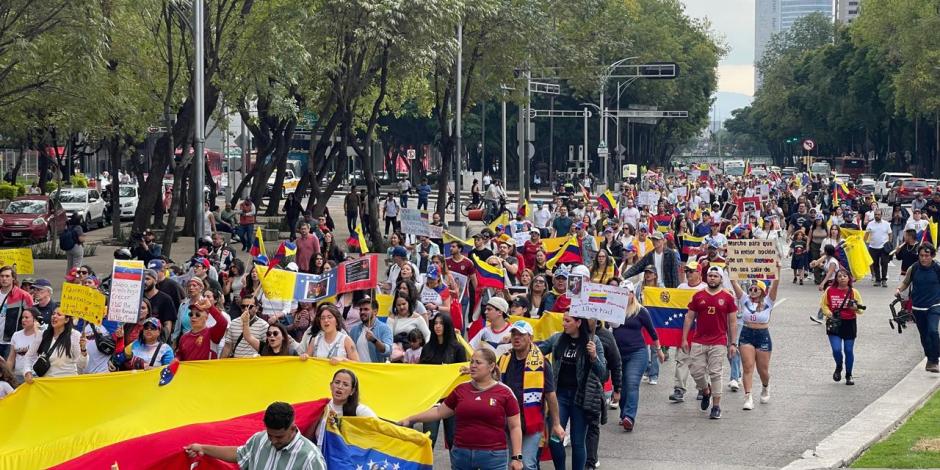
pixel 360 442
pixel 667 308
pixel 856 253
pixel 609 203
pixel 144 433
pixel 570 252
pixel 489 275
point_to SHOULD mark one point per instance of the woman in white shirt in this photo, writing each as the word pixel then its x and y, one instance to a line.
pixel 331 342
pixel 21 341
pixel 404 318
pixel 344 400
pixel 97 362
pixel 64 347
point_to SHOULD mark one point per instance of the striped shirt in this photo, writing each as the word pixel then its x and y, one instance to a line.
pixel 259 454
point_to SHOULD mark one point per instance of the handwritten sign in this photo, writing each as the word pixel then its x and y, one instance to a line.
pixel 647 198
pixel 83 302
pixel 415 222
pixel 20 258
pixel 601 302
pixel 752 259
pixel 127 278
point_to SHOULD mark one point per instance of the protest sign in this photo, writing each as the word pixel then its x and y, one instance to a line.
pixel 748 205
pixel 601 302
pixel 20 258
pixel 357 274
pixel 763 190
pixel 752 259
pixel 681 191
pixel 575 290
pixel 461 283
pixel 83 302
pixel 647 198
pixel 315 287
pixel 127 278
pixel 521 237
pixel 414 222
pixel 429 295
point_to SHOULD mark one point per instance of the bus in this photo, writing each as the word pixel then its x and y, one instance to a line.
pixel 853 166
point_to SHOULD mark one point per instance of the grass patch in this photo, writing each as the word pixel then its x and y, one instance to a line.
pixel 913 445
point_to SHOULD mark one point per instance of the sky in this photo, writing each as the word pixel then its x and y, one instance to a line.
pixel 734 20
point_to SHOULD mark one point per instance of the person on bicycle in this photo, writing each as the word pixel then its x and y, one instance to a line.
pixel 491 200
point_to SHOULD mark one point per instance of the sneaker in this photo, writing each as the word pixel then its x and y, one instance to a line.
pixel 699 395
pixel 706 399
pixel 733 385
pixel 815 320
pixel 884 283
pixel 627 424
pixel 848 379
pixel 933 367
pixel 765 396
pixel 654 380
pixel 597 464
pixel 837 375
pixel 677 396
pixel 748 402
pixel 613 405
pixel 716 413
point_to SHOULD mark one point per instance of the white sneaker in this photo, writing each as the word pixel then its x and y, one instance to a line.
pixel 765 396
pixel 748 402
pixel 733 385
pixel 654 381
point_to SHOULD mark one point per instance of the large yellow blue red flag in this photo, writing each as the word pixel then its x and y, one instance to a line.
pixel 148 428
pixel 609 203
pixel 489 275
pixel 570 252
pixel 667 308
pixel 257 245
pixel 360 442
pixel 856 252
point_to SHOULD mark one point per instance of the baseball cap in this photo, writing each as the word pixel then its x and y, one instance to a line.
pixel 433 272
pixel 521 302
pixel 535 231
pixel 561 271
pixel 204 262
pixel 202 252
pixel 692 264
pixel 154 321
pixel 628 285
pixel 42 282
pixel 716 269
pixel 657 235
pixel 523 327
pixel 150 272
pixel 399 251
pixel 498 303
pixel 156 264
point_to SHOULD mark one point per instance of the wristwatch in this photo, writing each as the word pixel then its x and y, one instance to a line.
pixel 516 457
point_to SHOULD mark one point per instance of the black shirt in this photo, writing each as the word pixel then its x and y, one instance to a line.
pixel 173 290
pixel 484 254
pixel 567 374
pixel 804 221
pixel 161 306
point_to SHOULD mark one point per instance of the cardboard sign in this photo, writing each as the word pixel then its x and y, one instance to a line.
pixel 20 258
pixel 83 302
pixel 601 302
pixel 752 259
pixel 647 198
pixel 461 281
pixel 127 278
pixel 415 222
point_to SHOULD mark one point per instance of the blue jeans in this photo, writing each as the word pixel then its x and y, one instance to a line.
pixel 927 323
pixel 837 344
pixel 531 450
pixel 247 234
pixel 435 426
pixel 633 366
pixel 467 459
pixel 652 368
pixel 567 409
pixel 736 370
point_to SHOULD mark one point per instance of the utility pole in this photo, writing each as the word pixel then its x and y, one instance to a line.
pixel 459 151
pixel 199 162
pixel 502 165
pixel 483 134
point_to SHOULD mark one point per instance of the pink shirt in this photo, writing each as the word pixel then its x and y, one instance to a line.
pixel 306 248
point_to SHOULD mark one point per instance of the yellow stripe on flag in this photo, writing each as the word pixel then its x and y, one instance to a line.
pixel 502 219
pixel 363 246
pixel 543 327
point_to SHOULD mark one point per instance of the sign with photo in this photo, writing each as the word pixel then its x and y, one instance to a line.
pixel 747 206
pixel 575 289
pixel 601 302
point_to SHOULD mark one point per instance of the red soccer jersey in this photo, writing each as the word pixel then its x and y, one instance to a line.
pixel 482 415
pixel 711 316
pixel 464 266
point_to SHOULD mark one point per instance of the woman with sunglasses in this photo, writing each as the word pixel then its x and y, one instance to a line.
pixel 276 341
pixel 195 344
pixel 538 291
pixel 755 345
pixel 64 347
pixel 147 351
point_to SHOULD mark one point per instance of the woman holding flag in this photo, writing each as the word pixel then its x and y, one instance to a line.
pixel 755 307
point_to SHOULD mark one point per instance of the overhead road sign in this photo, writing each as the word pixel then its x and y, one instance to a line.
pixel 644 113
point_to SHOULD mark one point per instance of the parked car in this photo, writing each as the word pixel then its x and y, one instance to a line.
pixel 903 191
pixel 866 186
pixel 886 180
pixel 86 202
pixel 32 218
pixel 129 198
pixel 289 185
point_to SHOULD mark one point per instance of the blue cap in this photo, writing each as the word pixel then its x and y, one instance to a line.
pixel 433 272
pixel 156 264
pixel 400 251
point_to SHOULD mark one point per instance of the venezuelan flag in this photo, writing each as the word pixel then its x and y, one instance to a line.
pixel 667 308
pixel 361 237
pixel 691 245
pixel 501 219
pixel 149 432
pixel 552 245
pixel 609 203
pixel 488 275
pixel 585 192
pixel 661 223
pixel 284 250
pixel 465 246
pixel 570 252
pixel 747 168
pixel 932 229
pixel 543 327
pixel 597 298
pixel 359 442
pixel 857 257
pixel 257 245
pixel 524 209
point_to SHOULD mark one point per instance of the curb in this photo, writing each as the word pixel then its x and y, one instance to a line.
pixel 873 423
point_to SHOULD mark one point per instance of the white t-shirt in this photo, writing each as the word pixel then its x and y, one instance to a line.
pixel 361 410
pixel 658 261
pixel 492 339
pixel 5 389
pixel 542 216
pixel 917 225
pixel 97 362
pixel 880 233
pixel 630 216
pixel 20 344
pixel 701 286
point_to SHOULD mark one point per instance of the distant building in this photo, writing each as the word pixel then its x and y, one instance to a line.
pixel 774 16
pixel 847 10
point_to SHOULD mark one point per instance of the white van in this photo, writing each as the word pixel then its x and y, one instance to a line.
pixel 885 180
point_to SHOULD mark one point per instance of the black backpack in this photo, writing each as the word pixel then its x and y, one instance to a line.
pixel 67 239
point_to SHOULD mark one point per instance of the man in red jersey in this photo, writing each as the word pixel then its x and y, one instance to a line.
pixel 713 311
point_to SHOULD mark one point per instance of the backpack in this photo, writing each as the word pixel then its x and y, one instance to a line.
pixel 67 239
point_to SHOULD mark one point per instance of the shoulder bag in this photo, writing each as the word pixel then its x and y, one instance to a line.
pixel 834 322
pixel 42 364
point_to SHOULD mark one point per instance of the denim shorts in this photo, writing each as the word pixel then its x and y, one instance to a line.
pixel 760 339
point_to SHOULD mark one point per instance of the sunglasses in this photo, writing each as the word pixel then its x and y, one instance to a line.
pixel 273 334
pixel 148 326
pixel 246 306
pixel 83 273
pixel 194 314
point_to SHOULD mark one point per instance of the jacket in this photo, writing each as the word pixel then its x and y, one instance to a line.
pixel 614 363
pixel 670 267
pixel 382 333
pixel 17 300
pixel 556 346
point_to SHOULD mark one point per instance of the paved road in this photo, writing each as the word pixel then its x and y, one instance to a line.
pixel 806 404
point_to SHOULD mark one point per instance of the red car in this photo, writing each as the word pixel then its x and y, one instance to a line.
pixel 32 218
pixel 903 191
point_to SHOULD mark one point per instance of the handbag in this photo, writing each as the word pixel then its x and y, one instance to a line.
pixel 42 364
pixel 104 343
pixel 834 322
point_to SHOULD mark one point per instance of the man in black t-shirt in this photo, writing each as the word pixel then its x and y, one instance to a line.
pixel 801 219
pixel 166 285
pixel 161 305
pixel 480 249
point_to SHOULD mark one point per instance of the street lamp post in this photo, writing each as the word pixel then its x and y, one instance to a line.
pixel 458 225
pixel 199 127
